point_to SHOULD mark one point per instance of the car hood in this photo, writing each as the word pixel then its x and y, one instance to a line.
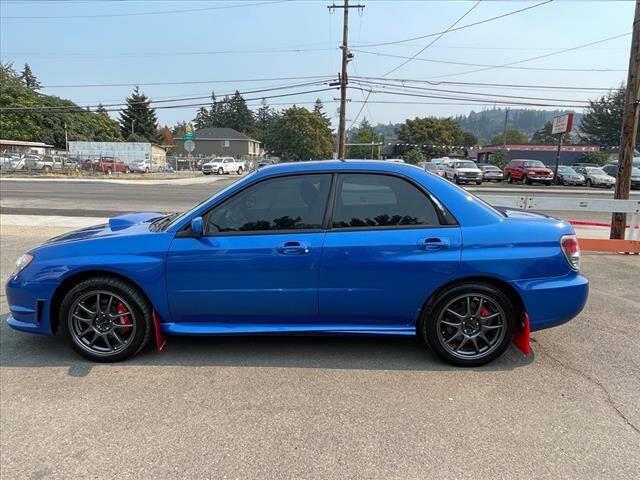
pixel 538 170
pixel 127 224
pixel 467 170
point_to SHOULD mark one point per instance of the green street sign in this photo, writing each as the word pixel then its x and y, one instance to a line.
pixel 189 135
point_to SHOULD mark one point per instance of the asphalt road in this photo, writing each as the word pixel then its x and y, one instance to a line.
pixel 330 408
pixel 100 199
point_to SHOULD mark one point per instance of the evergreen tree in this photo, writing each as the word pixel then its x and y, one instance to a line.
pixel 363 134
pixel 138 117
pixel 602 120
pixel 544 135
pixel 28 78
pixel 264 119
pixel 238 116
pixel 298 134
pixel 203 119
pixel 218 111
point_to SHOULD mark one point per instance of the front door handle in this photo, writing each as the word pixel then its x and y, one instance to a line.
pixel 433 244
pixel 293 248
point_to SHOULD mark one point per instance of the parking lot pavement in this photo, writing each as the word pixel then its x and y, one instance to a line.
pixel 330 407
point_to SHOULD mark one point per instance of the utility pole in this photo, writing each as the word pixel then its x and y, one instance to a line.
pixel 504 133
pixel 346 56
pixel 629 129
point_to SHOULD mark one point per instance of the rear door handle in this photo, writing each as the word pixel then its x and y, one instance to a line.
pixel 293 248
pixel 433 244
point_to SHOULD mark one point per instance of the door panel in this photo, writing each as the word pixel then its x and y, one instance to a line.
pixel 249 279
pixel 384 276
pixel 389 249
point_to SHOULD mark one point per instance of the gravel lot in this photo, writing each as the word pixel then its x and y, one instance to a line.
pixel 330 407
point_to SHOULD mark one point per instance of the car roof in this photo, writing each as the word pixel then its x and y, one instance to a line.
pixel 337 166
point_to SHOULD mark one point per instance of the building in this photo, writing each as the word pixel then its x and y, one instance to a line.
pixel 128 152
pixel 569 154
pixel 21 147
pixel 220 142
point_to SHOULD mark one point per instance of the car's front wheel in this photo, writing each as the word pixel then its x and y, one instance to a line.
pixel 106 319
pixel 589 183
pixel 239 170
pixel 220 171
pixel 469 325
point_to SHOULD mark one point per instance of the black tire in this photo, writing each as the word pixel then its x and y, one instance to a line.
pixel 47 169
pixel 526 180
pixel 220 171
pixel 140 309
pixel 509 179
pixel 428 328
pixel 456 180
pixel 239 171
pixel 609 186
pixel 108 172
pixel 207 173
pixel 146 170
pixel 126 170
pixel 478 183
pixel 589 183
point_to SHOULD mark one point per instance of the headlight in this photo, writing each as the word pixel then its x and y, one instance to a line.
pixel 22 263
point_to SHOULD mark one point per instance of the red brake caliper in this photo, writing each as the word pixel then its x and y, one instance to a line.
pixel 484 312
pixel 124 319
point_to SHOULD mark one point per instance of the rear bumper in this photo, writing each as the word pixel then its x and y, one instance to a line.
pixel 553 301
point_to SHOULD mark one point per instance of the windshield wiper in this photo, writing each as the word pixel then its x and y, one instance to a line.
pixel 161 223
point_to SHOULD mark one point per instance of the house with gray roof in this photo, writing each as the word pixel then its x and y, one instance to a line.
pixel 221 142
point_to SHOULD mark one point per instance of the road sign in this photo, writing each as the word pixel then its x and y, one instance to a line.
pixel 189 145
pixel 562 123
pixel 189 134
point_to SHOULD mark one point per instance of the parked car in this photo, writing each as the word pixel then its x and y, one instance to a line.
pixel 49 163
pixel 462 171
pixel 5 163
pixel 611 169
pixel 394 160
pixel 595 177
pixel 265 162
pixel 107 165
pixel 568 176
pixel 399 252
pixel 433 168
pixel 528 171
pixel 223 165
pixel 491 173
pixel 144 166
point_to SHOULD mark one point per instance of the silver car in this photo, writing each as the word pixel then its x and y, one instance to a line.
pixel 596 177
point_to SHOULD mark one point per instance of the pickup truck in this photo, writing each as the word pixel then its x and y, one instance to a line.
pixel 462 171
pixel 223 165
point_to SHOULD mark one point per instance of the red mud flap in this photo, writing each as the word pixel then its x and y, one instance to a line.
pixel 160 341
pixel 521 336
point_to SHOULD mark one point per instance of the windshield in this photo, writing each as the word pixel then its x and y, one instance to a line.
pixel 431 166
pixel 566 170
pixel 534 163
pixel 179 217
pixel 464 164
pixel 595 171
pixel 491 167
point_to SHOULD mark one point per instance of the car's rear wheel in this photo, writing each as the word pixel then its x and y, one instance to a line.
pixel 106 319
pixel 239 170
pixel 469 325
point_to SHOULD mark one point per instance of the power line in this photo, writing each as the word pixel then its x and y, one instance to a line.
pixel 538 57
pixel 486 20
pixel 489 67
pixel 364 82
pixel 153 102
pixel 492 85
pixel 138 14
pixel 185 82
pixel 435 39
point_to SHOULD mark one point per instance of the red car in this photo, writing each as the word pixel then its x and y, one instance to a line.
pixel 106 165
pixel 528 171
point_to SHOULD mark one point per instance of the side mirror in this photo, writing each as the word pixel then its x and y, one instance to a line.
pixel 197 227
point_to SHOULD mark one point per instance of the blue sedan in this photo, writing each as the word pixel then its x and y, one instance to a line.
pixel 355 247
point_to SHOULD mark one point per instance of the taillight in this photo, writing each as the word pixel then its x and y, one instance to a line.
pixel 571 250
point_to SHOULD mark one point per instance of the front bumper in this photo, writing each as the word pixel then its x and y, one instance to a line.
pixel 553 301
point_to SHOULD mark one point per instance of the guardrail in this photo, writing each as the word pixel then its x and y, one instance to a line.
pixel 602 205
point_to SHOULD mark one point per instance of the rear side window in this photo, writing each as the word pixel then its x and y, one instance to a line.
pixel 284 203
pixel 369 200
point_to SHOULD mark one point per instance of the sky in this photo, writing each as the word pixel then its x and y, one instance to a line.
pixel 250 45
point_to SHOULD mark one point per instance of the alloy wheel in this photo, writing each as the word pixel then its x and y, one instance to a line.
pixel 471 326
pixel 101 322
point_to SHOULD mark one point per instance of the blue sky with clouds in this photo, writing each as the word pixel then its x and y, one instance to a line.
pixel 79 42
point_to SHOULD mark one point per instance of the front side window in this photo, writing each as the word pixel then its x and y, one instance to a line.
pixel 284 203
pixel 370 200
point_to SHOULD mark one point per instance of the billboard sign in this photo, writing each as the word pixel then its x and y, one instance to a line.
pixel 562 123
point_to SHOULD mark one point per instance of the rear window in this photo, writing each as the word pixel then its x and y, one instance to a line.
pixel 370 200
